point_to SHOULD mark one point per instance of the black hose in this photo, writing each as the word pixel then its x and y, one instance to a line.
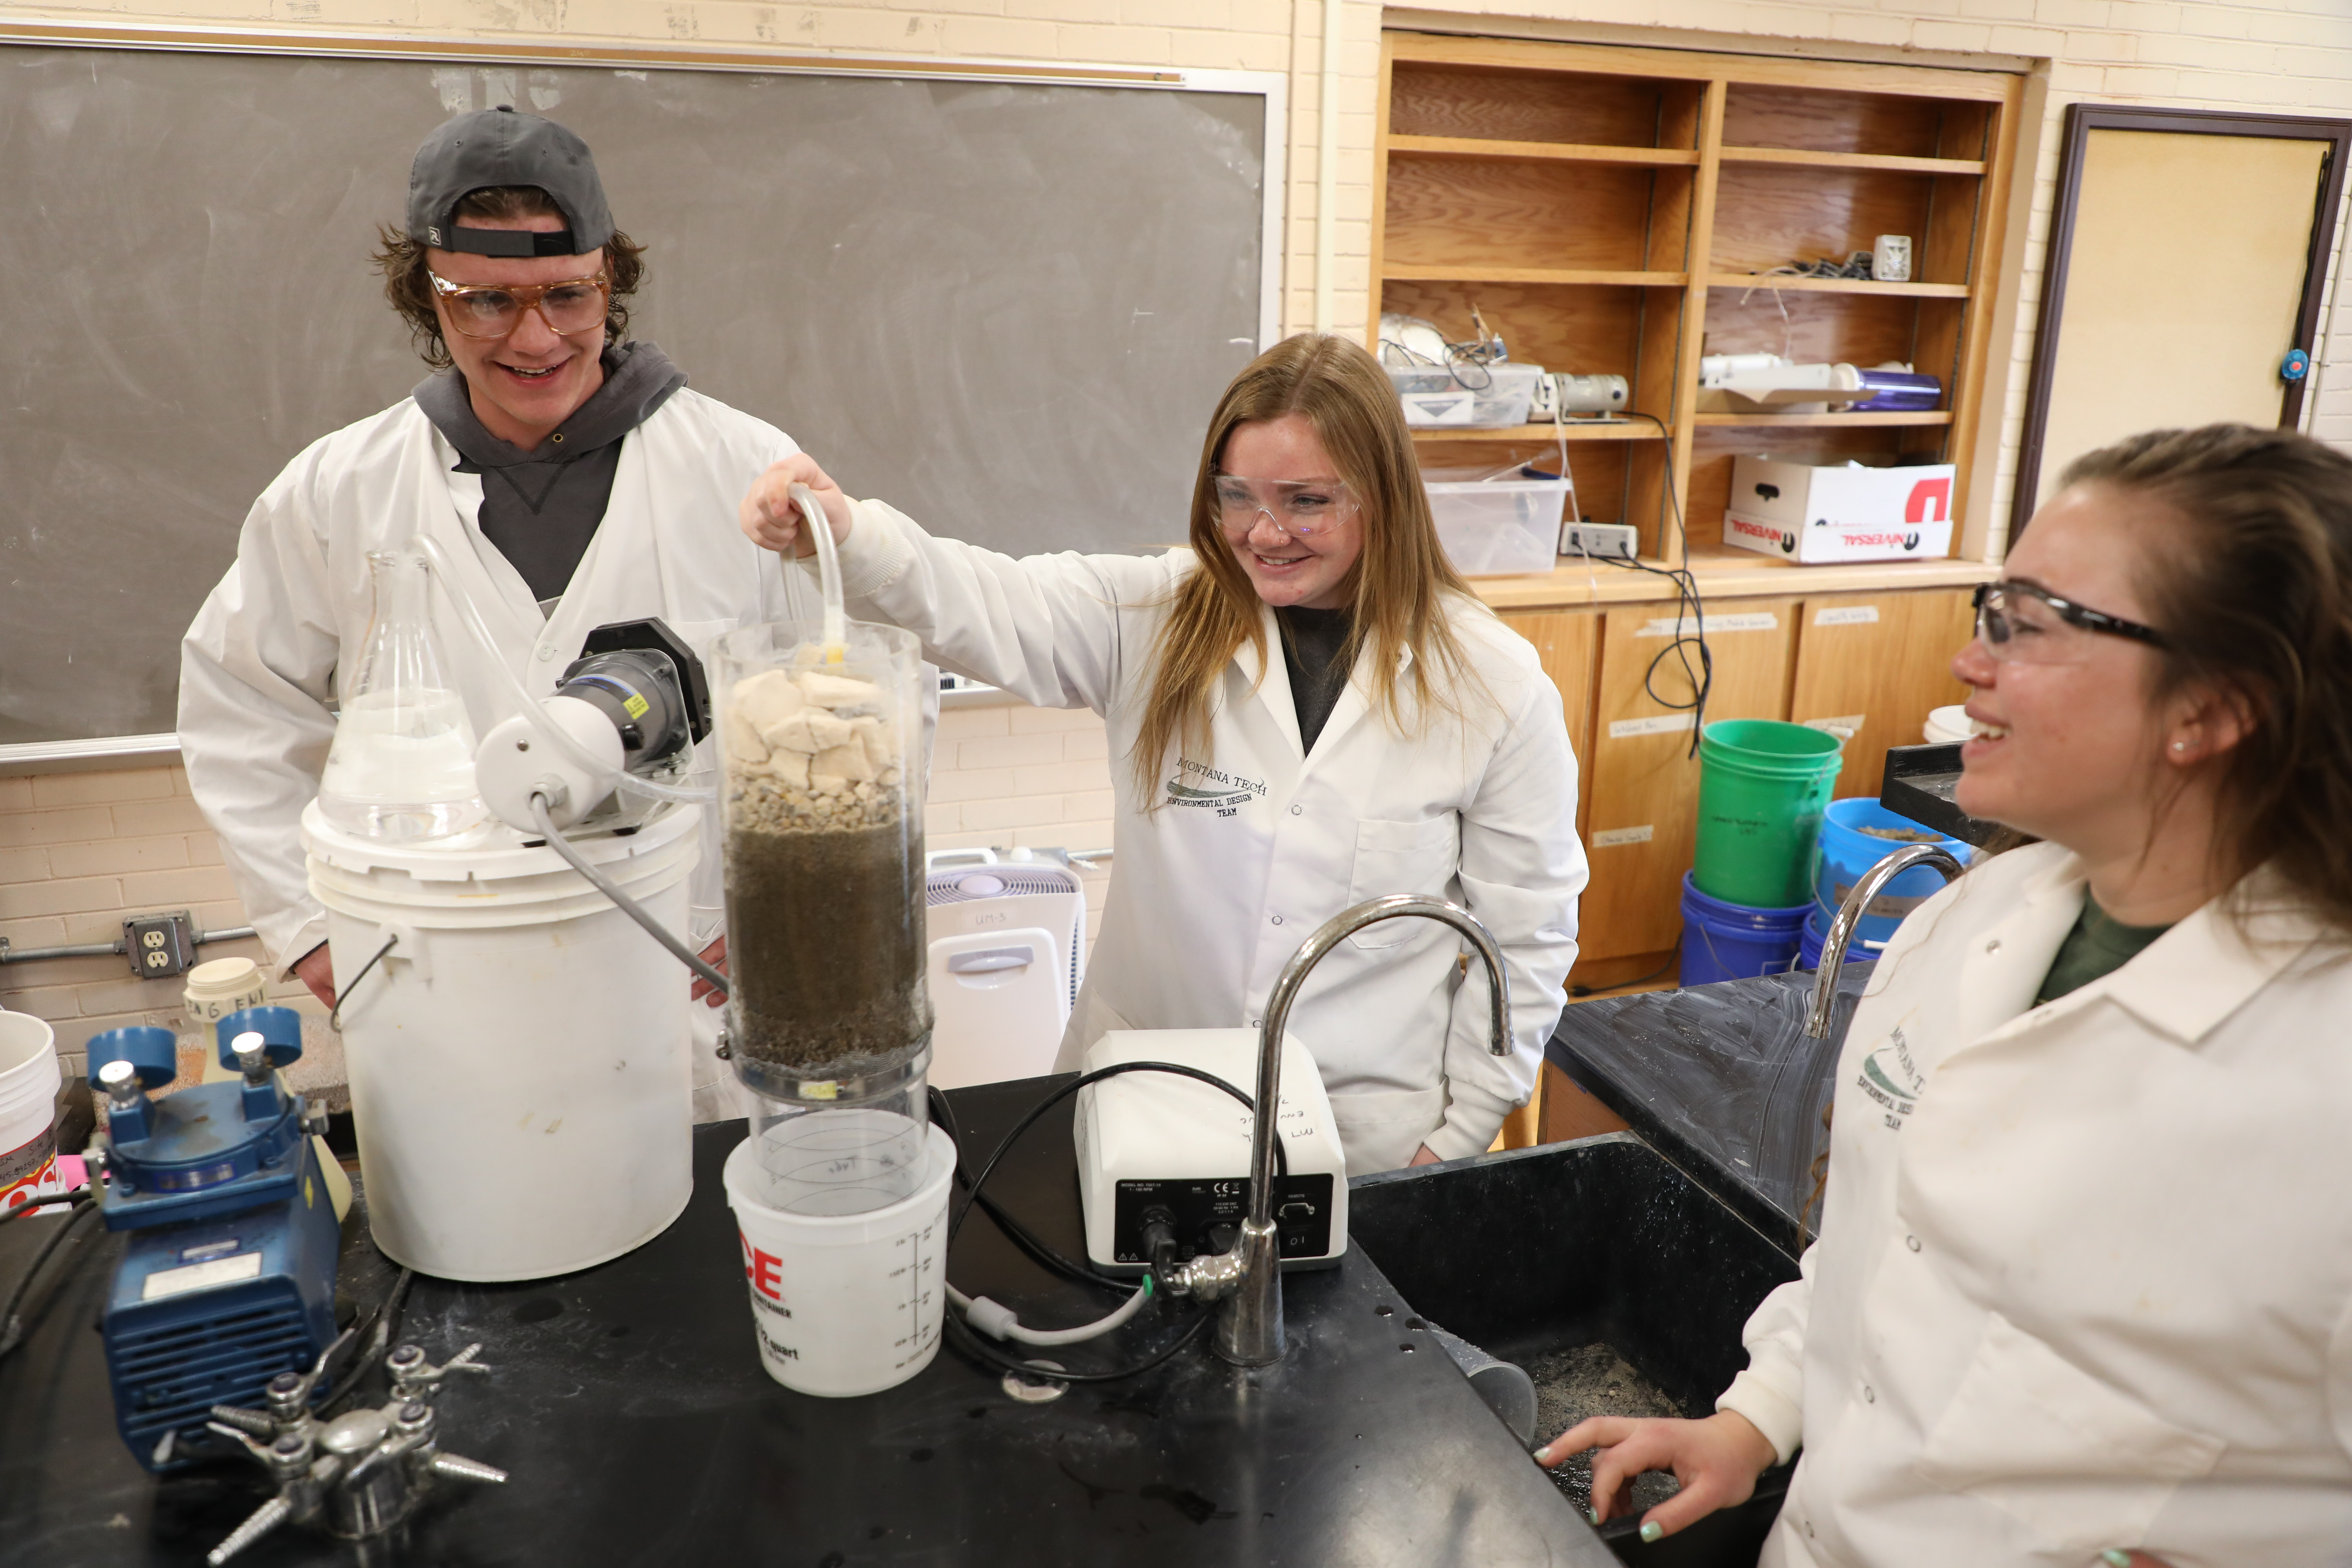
pixel 12 1328
pixel 1020 1234
pixel 629 906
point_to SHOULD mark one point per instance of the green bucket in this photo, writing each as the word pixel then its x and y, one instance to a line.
pixel 1762 786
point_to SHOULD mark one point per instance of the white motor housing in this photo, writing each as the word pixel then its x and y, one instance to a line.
pixel 517 759
pixel 1159 1145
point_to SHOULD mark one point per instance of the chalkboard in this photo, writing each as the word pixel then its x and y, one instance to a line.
pixel 1006 307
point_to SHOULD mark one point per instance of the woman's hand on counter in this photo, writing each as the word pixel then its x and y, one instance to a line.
pixel 714 955
pixel 1717 1460
pixel 1422 1156
pixel 771 520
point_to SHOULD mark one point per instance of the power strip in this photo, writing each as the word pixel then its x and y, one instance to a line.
pixel 1601 541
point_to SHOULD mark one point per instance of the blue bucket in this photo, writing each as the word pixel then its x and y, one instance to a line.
pixel 1816 936
pixel 1731 942
pixel 1845 853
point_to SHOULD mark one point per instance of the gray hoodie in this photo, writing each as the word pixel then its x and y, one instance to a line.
pixel 540 508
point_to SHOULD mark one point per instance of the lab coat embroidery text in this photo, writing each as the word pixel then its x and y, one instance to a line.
pixel 1889 1077
pixel 1230 796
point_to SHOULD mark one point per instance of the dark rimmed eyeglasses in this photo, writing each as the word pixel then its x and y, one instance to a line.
pixel 2023 623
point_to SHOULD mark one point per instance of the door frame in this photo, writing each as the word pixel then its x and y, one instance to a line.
pixel 2082 118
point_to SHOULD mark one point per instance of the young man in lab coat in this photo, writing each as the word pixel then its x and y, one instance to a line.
pixel 572 476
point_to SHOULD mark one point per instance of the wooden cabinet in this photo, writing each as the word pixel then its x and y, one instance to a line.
pixel 1619 211
pixel 1642 775
pixel 1872 667
pixel 1569 643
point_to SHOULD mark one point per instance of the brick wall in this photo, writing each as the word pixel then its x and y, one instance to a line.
pixel 79 852
pixel 1010 776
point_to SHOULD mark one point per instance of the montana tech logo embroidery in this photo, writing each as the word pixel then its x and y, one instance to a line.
pixel 1890 1076
pixel 1225 793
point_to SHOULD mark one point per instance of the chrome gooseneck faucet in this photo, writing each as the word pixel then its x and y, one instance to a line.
pixel 1849 916
pixel 1249 1278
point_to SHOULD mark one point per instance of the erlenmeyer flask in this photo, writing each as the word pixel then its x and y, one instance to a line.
pixel 402 766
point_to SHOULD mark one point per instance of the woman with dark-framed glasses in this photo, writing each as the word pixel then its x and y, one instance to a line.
pixel 2084 1285
pixel 1306 709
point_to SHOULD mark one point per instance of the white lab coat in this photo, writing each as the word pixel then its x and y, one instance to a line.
pixel 288 622
pixel 2084 1276
pixel 1260 844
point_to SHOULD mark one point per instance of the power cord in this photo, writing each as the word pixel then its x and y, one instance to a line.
pixel 1020 1234
pixel 12 1327
pixel 1687 603
pixel 970 1340
pixel 979 1350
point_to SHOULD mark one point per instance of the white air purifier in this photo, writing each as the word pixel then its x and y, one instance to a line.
pixel 1007 940
pixel 1155 1145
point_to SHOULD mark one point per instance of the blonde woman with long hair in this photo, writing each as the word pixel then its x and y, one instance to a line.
pixel 1308 708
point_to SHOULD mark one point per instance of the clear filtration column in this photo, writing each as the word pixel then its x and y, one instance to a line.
pixel 830 1021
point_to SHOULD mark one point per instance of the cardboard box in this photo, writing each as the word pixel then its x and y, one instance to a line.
pixel 1801 512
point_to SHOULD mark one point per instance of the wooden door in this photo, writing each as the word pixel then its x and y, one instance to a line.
pixel 1872 667
pixel 2186 258
pixel 1643 782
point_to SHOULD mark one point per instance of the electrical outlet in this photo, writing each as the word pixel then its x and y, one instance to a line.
pixel 161 946
pixel 1601 541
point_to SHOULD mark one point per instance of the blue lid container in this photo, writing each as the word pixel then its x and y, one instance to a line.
pixel 1845 852
pixel 1724 941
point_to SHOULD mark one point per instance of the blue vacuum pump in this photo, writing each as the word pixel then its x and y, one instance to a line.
pixel 228 1278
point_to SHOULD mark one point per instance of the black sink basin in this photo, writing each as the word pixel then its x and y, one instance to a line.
pixel 1599 1242
pixel 1723 1080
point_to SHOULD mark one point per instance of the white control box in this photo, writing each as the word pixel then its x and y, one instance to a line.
pixel 1158 1145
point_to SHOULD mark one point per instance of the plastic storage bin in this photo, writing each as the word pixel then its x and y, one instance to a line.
pixel 1500 527
pixel 1465 394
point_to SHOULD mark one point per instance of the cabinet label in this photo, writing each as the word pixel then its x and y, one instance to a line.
pixel 1694 626
pixel 1847 615
pixel 1659 724
pixel 1844 725
pixel 1610 838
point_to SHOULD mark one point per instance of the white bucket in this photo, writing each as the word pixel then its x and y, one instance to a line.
pixel 845 1304
pixel 1947 726
pixel 28 1096
pixel 519 1059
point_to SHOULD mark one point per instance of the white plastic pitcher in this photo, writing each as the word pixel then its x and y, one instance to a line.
pixel 845 1304
pixel 519 1066
pixel 29 1094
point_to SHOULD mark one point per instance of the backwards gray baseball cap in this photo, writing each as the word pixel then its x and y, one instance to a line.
pixel 504 147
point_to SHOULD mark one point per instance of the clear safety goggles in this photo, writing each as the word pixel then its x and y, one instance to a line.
pixel 1299 507
pixel 2023 623
pixel 576 305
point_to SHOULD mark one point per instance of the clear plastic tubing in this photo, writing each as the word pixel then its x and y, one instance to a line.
pixel 470 617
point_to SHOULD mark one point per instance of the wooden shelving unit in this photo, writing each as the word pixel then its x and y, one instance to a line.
pixel 1610 211
pixel 1617 210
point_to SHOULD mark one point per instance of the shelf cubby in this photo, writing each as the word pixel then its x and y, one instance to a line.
pixel 1615 211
